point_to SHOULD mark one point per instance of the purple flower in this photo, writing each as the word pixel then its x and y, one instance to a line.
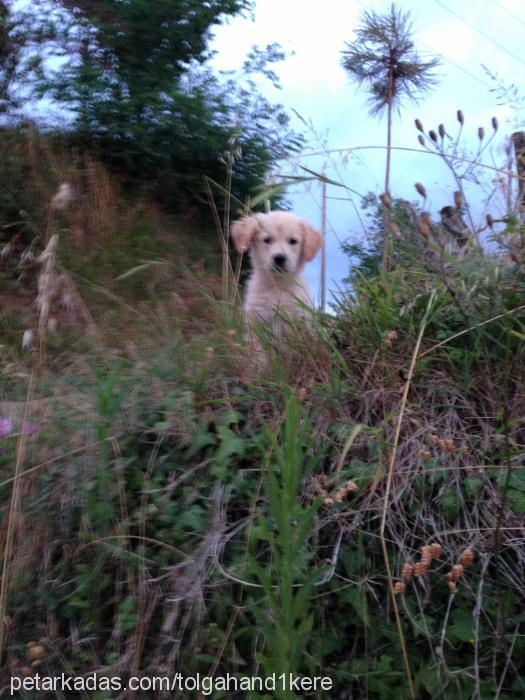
pixel 29 429
pixel 6 427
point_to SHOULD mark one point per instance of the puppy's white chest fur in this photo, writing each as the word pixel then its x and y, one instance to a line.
pixel 280 244
pixel 271 294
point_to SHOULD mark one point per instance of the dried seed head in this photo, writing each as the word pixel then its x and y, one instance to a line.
pixel 452 587
pixel 385 200
pixel 52 324
pixel 490 220
pixel 63 197
pixel 466 557
pixel 36 652
pixel 436 549
pixel 329 502
pixel 210 354
pixel 458 199
pixel 495 123
pixel 301 393
pixel 426 218
pixel 342 493
pixel 394 228
pixel 424 454
pixel 419 125
pixel 422 228
pixel 420 569
pixel 421 139
pixel 457 572
pixel 441 130
pixel 426 555
pixel 434 439
pixel 515 257
pixel 461 118
pixel 433 135
pixel 481 133
pixel 399 587
pixel 389 338
pixel 407 572
pixel 421 190
pixel 231 333
pixel 49 250
pixel 27 339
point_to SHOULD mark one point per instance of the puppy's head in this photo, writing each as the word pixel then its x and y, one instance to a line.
pixel 277 241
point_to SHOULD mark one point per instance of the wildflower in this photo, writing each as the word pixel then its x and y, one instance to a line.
pixel 29 428
pixel 6 427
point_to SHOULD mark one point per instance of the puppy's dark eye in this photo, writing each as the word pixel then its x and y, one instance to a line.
pixel 267 239
pixel 293 241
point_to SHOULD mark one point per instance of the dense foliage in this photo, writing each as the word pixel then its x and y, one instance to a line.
pixel 129 86
pixel 177 512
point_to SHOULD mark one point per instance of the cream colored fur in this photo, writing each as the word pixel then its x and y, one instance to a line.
pixel 279 244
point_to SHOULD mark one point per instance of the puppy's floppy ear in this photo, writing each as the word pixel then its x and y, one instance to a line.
pixel 312 241
pixel 243 233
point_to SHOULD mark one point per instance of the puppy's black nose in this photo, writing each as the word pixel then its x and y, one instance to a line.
pixel 279 261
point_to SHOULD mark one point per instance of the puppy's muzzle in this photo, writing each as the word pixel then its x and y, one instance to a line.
pixel 279 262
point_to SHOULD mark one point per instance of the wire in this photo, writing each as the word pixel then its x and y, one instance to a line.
pixel 502 7
pixel 481 33
pixel 456 65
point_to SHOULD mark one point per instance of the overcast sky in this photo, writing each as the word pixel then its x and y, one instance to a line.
pixel 465 36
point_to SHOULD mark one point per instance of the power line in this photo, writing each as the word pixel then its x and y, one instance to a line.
pixel 502 7
pixel 481 33
pixel 456 65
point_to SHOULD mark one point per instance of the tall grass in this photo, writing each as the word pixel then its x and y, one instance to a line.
pixel 354 510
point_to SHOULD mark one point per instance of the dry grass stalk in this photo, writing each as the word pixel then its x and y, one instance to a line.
pixel 12 519
pixel 390 474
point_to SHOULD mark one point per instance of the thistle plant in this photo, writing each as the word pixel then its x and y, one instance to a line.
pixel 383 58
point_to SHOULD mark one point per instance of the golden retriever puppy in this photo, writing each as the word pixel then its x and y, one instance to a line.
pixel 279 244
